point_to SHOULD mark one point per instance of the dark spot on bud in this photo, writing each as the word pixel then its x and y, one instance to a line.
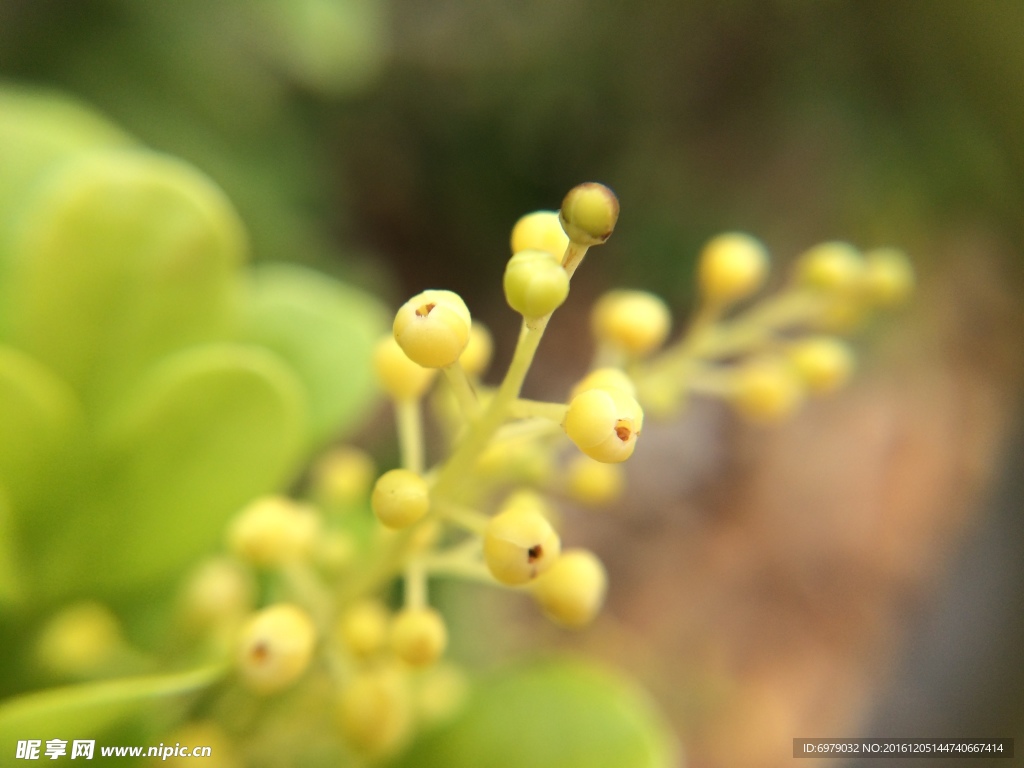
pixel 623 430
pixel 424 310
pixel 260 652
pixel 534 553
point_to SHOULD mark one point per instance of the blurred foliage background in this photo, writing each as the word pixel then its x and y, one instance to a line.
pixel 811 581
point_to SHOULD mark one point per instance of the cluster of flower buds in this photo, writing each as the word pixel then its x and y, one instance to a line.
pixel 487 510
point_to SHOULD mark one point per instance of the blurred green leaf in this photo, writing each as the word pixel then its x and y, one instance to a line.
pixel 38 130
pixel 326 331
pixel 124 257
pixel 209 429
pixel 89 710
pixel 558 714
pixel 11 588
pixel 39 419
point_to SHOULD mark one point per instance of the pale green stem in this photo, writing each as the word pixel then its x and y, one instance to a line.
pixel 410 434
pixel 572 257
pixel 483 429
pixel 309 591
pixel 460 568
pixel 525 429
pixel 524 409
pixel 463 389
pixel 415 585
pixel 464 517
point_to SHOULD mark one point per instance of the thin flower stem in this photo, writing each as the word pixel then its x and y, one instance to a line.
pixel 482 430
pixel 464 517
pixel 463 389
pixel 523 409
pixel 415 585
pixel 573 256
pixel 410 434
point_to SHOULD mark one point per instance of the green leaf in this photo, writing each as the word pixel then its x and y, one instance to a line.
pixel 556 714
pixel 209 429
pixel 89 710
pixel 124 257
pixel 39 422
pixel 11 587
pixel 39 130
pixel 326 331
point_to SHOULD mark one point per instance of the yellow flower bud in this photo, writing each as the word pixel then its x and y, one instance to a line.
pixel 593 482
pixel 419 636
pixel 572 591
pixel 219 591
pixel 477 355
pixel 766 390
pixel 588 214
pixel 824 363
pixel 528 499
pixel 432 328
pixel 343 476
pixel 535 284
pixel 80 640
pixel 275 648
pixel 401 378
pixel 519 544
pixel 830 267
pixel 273 531
pixel 400 498
pixel 634 322
pixel 375 712
pixel 605 378
pixel 363 627
pixel 732 267
pixel 604 424
pixel 540 231
pixel 440 693
pixel 888 277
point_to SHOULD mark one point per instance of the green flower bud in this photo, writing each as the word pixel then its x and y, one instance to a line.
pixel 400 498
pixel 589 212
pixel 535 284
pixel 432 328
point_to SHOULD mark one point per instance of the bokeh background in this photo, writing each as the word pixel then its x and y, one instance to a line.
pixel 855 572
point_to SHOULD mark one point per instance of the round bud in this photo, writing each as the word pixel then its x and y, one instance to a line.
pixel 477 355
pixel 535 284
pixel 540 231
pixel 529 499
pixel 520 544
pixel 440 693
pixel 400 498
pixel 592 482
pixel 419 636
pixel 432 328
pixel 363 627
pixel 342 477
pixel 589 212
pixel 605 378
pixel 732 267
pixel 766 390
pixel 572 591
pixel 888 277
pixel 830 267
pixel 824 363
pixel 79 640
pixel 604 424
pixel 218 591
pixel 374 712
pixel 400 377
pixel 276 647
pixel 273 531
pixel 633 322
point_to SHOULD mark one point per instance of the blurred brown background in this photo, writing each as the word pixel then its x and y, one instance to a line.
pixel 855 572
